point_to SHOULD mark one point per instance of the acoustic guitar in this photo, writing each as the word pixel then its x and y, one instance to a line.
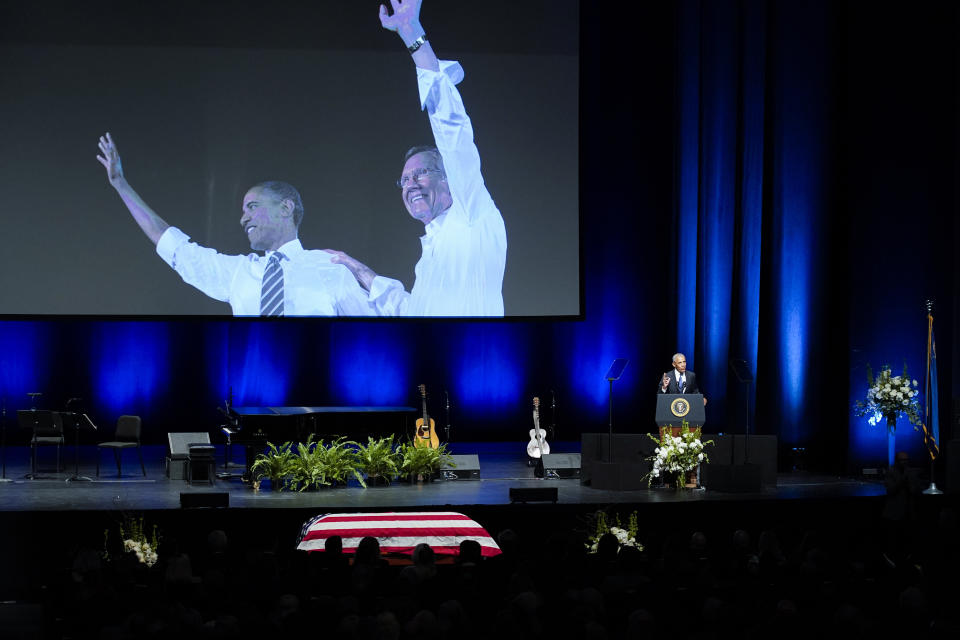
pixel 425 434
pixel 538 437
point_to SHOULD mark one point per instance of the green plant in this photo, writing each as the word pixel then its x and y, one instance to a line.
pixel 276 464
pixel 423 461
pixel 307 468
pixel 379 458
pixel 339 461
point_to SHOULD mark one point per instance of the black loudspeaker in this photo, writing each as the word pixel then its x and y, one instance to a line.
pixel 762 450
pixel 561 465
pixel 618 476
pixel 953 466
pixel 536 494
pixel 628 448
pixel 463 468
pixel 207 499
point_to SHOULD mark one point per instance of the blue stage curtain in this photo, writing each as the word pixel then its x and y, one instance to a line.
pixel 751 195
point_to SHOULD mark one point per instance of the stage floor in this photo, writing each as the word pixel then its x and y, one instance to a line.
pixel 500 470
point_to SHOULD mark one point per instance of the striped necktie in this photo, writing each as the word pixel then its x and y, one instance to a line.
pixel 271 292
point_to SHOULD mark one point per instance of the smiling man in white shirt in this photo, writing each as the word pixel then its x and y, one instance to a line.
pixel 287 280
pixel 460 271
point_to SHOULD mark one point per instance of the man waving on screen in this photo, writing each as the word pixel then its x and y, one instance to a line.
pixel 460 272
pixel 287 281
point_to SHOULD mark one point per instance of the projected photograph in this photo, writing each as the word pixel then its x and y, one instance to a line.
pixel 362 162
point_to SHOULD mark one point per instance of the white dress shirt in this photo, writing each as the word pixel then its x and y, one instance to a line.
pixel 460 272
pixel 312 285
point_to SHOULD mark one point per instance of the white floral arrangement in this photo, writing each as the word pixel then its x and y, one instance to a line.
pixel 678 454
pixel 627 537
pixel 135 541
pixel 890 396
pixel 142 549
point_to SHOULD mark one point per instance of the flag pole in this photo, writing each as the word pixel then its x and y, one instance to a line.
pixel 928 386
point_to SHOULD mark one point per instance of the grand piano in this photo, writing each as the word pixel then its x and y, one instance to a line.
pixel 253 427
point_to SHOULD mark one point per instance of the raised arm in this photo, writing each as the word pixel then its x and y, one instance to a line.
pixel 151 224
pixel 405 21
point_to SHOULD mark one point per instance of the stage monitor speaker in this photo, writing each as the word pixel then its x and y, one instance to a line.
pixel 180 442
pixel 463 468
pixel 534 494
pixel 206 499
pixel 561 465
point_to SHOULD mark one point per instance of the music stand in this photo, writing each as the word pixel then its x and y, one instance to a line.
pixel 613 373
pixel 79 421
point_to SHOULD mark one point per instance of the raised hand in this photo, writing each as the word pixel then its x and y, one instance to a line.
pixel 110 159
pixel 405 19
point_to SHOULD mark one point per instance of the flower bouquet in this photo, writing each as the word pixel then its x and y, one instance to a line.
pixel 135 540
pixel 889 397
pixel 627 537
pixel 678 454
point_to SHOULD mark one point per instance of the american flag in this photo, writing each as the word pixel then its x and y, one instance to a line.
pixel 397 532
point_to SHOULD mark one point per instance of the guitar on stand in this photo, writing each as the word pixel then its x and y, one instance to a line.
pixel 425 434
pixel 538 439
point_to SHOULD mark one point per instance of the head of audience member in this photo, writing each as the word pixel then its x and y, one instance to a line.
pixel 901 461
pixel 423 184
pixel 509 542
pixel 333 545
pixel 423 555
pixel 368 551
pixel 607 547
pixel 272 213
pixel 470 552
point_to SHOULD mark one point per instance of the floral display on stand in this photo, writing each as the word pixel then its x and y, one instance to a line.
pixel 677 454
pixel 626 536
pixel 134 539
pixel 888 398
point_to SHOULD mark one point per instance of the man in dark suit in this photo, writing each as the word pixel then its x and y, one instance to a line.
pixel 680 380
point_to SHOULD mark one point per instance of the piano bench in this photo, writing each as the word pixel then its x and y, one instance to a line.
pixel 200 463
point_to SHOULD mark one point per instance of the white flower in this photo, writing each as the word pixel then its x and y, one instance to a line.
pixel 699 457
pixel 915 383
pixel 906 402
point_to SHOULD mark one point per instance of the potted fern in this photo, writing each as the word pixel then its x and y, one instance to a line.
pixel 339 461
pixel 379 459
pixel 420 464
pixel 307 468
pixel 275 464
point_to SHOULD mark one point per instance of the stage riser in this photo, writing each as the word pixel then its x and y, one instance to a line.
pixel 633 448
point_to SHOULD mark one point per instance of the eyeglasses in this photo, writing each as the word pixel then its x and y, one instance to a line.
pixel 417 176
